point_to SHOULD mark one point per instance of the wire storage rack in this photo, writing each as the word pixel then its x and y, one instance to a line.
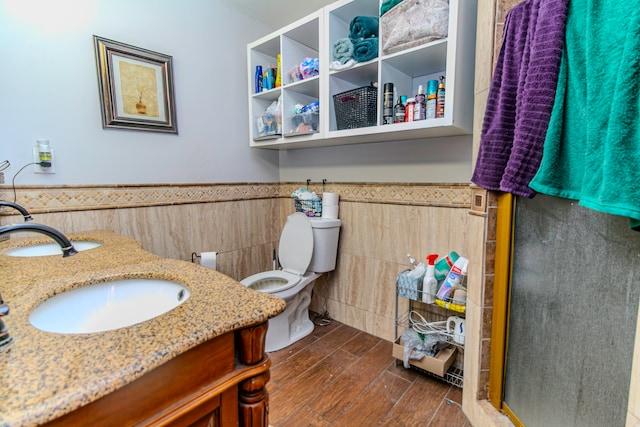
pixel 427 318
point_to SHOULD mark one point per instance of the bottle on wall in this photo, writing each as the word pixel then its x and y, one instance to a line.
pixel 387 104
pixel 258 82
pixel 440 99
pixel 432 89
pixel 419 108
pixel 409 110
pixel 399 110
pixel 278 71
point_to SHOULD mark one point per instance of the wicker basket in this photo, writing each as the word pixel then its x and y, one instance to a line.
pixel 356 108
pixel 308 207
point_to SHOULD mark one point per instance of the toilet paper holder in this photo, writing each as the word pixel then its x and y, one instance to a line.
pixel 195 255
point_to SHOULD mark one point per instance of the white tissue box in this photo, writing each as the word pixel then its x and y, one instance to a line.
pixel 438 365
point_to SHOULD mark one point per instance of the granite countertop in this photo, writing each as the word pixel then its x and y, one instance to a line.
pixel 44 375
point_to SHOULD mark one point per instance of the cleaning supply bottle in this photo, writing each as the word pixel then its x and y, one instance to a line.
pixel 444 264
pixel 430 284
pixel 453 279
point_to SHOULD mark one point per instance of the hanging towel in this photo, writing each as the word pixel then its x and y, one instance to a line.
pixel 592 149
pixel 343 50
pixel 365 50
pixel 363 27
pixel 521 97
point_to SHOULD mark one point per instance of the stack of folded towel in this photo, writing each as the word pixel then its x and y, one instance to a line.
pixel 360 46
pixel 363 32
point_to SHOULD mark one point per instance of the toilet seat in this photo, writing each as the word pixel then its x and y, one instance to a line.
pixel 295 251
pixel 271 282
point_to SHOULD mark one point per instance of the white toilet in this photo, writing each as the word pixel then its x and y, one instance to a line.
pixel 308 247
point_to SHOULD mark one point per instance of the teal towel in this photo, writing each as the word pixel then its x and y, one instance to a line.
pixel 363 27
pixel 365 50
pixel 592 146
pixel 343 50
pixel 387 5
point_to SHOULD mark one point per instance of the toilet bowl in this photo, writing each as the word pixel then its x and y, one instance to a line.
pixel 308 247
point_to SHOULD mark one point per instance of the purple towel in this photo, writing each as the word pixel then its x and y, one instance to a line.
pixel 521 97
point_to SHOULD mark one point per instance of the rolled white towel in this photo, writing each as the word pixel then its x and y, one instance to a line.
pixel 337 65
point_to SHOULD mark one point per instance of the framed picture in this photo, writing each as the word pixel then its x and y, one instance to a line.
pixel 136 87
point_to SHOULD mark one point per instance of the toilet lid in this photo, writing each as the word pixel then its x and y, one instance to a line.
pixel 296 244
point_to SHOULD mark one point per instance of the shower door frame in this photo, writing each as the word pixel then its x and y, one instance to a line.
pixel 505 229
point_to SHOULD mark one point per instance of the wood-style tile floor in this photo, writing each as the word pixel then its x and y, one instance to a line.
pixel 340 376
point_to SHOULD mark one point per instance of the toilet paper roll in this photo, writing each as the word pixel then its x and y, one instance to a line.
pixel 330 199
pixel 208 259
pixel 330 212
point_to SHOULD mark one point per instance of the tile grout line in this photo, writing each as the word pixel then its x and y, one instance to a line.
pixel 411 383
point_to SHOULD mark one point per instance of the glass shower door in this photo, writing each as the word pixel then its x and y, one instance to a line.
pixel 575 288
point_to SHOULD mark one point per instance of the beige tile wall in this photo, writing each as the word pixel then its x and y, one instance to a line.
pixel 374 242
pixel 380 225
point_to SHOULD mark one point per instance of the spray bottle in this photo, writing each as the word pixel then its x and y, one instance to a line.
pixel 454 278
pixel 430 284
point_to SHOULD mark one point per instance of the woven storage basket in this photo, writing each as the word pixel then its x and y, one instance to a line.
pixel 356 108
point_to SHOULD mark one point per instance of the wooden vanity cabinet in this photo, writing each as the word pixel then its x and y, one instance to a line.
pixel 221 382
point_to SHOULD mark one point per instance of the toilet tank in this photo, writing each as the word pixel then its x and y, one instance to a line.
pixel 325 244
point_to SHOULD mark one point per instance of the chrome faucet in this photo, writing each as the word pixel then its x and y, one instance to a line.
pixel 25 213
pixel 61 239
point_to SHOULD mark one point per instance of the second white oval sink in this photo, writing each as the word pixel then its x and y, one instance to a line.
pixel 47 249
pixel 108 305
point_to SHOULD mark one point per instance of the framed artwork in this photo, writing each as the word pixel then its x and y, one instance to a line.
pixel 136 87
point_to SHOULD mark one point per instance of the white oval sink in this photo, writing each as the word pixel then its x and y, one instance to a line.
pixel 46 249
pixel 109 305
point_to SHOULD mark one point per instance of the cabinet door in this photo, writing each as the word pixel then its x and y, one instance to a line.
pixel 223 411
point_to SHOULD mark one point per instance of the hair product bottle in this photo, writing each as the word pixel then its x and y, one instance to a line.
pixel 409 110
pixel 398 110
pixel 432 88
pixel 419 109
pixel 387 112
pixel 440 99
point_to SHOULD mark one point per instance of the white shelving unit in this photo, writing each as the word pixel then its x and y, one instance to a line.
pixel 315 36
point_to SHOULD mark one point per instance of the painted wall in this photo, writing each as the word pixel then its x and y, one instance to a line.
pixel 437 160
pixel 49 87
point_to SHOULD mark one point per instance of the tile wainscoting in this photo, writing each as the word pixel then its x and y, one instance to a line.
pixel 381 223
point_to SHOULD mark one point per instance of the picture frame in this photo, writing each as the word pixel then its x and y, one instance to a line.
pixel 136 87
